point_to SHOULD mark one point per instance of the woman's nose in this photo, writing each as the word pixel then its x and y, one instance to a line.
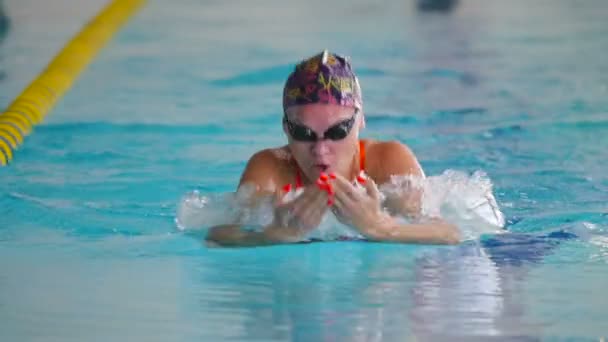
pixel 321 147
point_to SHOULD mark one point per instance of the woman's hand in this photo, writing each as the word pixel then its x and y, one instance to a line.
pixel 293 220
pixel 360 209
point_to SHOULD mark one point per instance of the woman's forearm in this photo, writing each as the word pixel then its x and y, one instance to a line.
pixel 390 230
pixel 433 232
pixel 235 236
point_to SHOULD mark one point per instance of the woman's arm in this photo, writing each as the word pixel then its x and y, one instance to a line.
pixel 292 220
pixel 435 231
pixel 364 209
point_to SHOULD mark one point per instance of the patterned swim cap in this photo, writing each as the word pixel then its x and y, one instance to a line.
pixel 323 78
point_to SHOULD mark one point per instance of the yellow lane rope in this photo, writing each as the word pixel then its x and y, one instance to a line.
pixel 39 97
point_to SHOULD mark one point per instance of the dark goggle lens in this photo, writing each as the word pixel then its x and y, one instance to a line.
pixel 336 132
pixel 302 133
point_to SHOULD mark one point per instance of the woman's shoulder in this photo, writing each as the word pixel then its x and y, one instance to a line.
pixel 390 157
pixel 270 157
pixel 387 148
pixel 267 167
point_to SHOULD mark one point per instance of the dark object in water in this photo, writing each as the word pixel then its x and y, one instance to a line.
pixel 521 248
pixel 436 5
pixel 4 22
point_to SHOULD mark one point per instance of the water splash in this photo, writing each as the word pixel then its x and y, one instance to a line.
pixel 462 199
pixel 467 201
pixel 201 211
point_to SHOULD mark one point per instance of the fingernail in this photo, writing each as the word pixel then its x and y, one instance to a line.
pixel 323 186
pixel 323 177
pixel 332 175
pixel 330 189
pixel 360 179
pixel 330 201
pixel 287 187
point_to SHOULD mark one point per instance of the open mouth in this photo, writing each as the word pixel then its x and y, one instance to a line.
pixel 322 167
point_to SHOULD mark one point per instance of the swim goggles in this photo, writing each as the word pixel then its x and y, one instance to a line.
pixel 336 132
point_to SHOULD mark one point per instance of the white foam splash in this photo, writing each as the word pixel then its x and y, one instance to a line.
pixel 465 200
pixel 197 211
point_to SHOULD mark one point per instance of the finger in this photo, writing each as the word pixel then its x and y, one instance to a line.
pixel 317 205
pixel 279 194
pixel 342 202
pixel 312 197
pixel 341 184
pixel 311 192
pixel 361 177
pixel 300 197
pixel 337 204
pixel 309 214
pixel 344 190
pixel 284 210
pixel 327 188
pixel 322 205
pixel 311 218
pixel 371 188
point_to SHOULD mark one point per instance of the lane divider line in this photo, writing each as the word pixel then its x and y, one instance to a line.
pixel 40 96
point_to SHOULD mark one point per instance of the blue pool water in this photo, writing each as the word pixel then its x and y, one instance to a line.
pixel 89 249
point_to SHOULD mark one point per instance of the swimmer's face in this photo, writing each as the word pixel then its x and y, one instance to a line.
pixel 323 137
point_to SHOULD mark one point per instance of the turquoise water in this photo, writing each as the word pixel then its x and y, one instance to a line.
pixel 189 90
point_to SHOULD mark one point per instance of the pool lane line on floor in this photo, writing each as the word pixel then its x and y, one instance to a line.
pixel 38 98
